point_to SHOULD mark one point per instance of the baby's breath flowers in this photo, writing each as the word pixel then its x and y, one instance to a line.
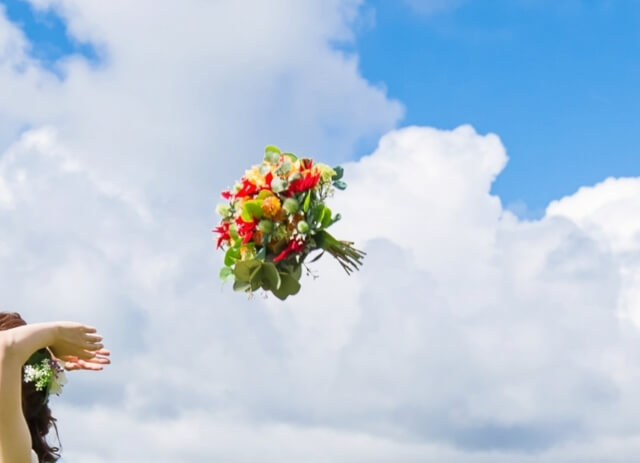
pixel 274 218
pixel 45 372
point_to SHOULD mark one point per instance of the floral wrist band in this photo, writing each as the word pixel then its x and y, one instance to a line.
pixel 46 373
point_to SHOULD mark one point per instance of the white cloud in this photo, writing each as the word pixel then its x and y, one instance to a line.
pixel 469 335
pixel 608 212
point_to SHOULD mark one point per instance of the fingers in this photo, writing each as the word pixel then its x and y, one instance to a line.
pixel 99 360
pixel 81 347
pixel 88 360
pixel 93 337
pixel 81 365
pixel 91 365
pixel 92 342
pixel 92 346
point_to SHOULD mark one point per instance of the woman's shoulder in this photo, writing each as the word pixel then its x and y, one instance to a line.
pixel 34 457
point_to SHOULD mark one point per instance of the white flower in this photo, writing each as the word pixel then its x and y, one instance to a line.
pixel 48 375
pixel 58 380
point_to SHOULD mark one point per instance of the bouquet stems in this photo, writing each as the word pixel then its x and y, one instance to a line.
pixel 347 256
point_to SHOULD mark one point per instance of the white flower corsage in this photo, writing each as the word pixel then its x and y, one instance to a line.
pixel 47 374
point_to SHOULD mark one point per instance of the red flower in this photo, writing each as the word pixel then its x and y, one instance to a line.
pixel 227 194
pixel 224 233
pixel 246 189
pixel 268 178
pixel 245 229
pixel 293 246
pixel 308 181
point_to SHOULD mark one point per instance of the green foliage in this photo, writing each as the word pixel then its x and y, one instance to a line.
pixel 303 227
pixel 291 205
pixel 246 270
pixel 278 185
pixel 265 226
pixel 339 184
pixel 253 274
pixel 270 277
pixel 325 218
pixel 264 194
pixel 251 211
pixel 241 286
pixel 288 287
pixel 226 273
pixel 307 202
pixel 272 154
pixel 284 168
pixel 231 256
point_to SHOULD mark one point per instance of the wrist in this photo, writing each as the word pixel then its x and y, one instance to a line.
pixel 53 333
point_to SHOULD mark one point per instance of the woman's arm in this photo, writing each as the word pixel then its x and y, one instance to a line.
pixel 16 346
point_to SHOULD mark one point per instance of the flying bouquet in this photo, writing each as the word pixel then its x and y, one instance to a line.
pixel 275 218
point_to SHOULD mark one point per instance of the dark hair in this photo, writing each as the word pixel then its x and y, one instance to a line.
pixel 35 405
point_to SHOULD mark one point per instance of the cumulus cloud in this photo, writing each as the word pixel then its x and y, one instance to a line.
pixel 469 335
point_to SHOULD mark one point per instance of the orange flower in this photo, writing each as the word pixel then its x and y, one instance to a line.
pixel 257 237
pixel 271 206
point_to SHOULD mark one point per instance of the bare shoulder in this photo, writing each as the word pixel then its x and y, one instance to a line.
pixel 6 341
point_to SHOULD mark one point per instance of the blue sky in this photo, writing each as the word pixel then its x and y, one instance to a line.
pixel 557 81
pixel 47 33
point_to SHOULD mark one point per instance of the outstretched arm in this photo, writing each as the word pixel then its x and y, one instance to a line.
pixel 16 346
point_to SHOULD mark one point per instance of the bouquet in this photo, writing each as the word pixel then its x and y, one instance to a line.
pixel 275 218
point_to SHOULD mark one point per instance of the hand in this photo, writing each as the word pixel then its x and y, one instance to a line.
pixel 76 341
pixel 96 363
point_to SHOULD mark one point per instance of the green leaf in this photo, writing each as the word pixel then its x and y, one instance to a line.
pixel 244 269
pixel 339 184
pixel 233 232
pixel 241 285
pixel 264 169
pixel 256 275
pixel 288 286
pixel 315 215
pixel 272 149
pixel 339 172
pixel 271 154
pixel 291 156
pixel 325 220
pixel 262 253
pixel 297 272
pixel 307 202
pixel 278 185
pixel 270 276
pixel 231 256
pixel 226 273
pixel 251 211
pixel 264 194
pixel 255 284
pixel 284 168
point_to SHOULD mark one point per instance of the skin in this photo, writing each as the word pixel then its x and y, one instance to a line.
pixel 77 346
